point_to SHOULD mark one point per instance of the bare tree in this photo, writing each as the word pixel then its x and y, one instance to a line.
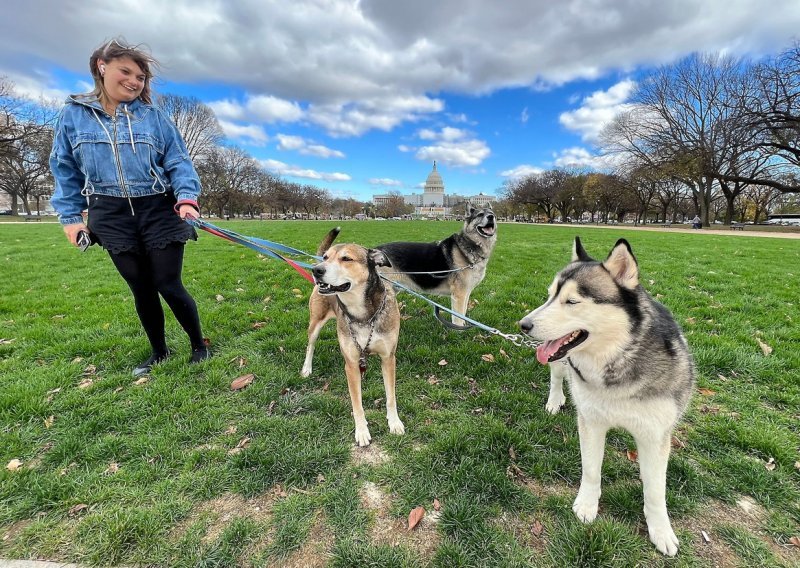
pixel 196 122
pixel 685 121
pixel 227 174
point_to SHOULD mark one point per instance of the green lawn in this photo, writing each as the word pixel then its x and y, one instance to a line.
pixel 183 471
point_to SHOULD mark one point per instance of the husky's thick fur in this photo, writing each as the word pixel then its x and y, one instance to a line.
pixel 628 366
pixel 458 263
pixel 349 288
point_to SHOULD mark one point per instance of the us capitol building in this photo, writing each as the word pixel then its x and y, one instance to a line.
pixel 433 202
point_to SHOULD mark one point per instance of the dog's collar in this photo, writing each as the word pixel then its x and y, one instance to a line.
pixel 364 351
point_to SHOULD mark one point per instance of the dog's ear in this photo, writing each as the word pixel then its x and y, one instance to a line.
pixel 622 265
pixel 578 253
pixel 470 211
pixel 378 257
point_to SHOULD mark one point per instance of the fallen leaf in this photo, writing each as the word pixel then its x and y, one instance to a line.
pixel 415 516
pixel 677 443
pixel 296 291
pixel 770 465
pixel 436 505
pixel 242 381
pixel 488 357
pixel 75 509
pixel 320 478
pixel 85 383
pixel 443 362
pixel 141 381
pixel 795 540
pixel 722 377
pixel 220 297
pixel 797 465
pixel 48 422
pixel 325 387
pixel 7 341
pixel 690 320
pixel 433 380
pixel 90 370
pixel 537 528
pixel 230 429
pixel 632 455
pixel 113 467
pixel 706 392
pixel 765 349
pixel 512 454
pixel 504 354
pixel 14 465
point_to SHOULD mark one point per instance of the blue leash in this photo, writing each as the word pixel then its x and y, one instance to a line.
pixel 268 248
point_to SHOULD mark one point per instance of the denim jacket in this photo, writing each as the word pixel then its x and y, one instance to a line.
pixel 136 153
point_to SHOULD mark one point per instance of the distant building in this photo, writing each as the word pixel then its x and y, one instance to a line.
pixel 433 202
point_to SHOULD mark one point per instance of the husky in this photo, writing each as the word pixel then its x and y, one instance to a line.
pixel 628 366
pixel 453 266
pixel 349 289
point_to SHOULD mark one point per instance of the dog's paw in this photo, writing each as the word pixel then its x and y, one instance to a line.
pixel 396 426
pixel 555 402
pixel 305 371
pixel 585 509
pixel 664 539
pixel 363 436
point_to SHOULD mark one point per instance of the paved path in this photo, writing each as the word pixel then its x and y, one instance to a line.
pixel 747 232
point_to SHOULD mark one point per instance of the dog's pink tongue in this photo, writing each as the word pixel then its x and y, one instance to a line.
pixel 544 351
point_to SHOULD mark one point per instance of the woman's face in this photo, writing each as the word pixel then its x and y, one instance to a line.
pixel 123 79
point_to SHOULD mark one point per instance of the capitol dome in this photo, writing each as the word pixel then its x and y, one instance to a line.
pixel 434 183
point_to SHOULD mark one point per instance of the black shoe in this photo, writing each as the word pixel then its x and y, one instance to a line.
pixel 199 354
pixel 146 366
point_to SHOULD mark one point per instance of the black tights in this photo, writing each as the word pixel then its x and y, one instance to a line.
pixel 158 271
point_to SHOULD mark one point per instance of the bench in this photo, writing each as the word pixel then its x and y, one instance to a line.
pixel 32 218
pixel 667 225
pixel 737 227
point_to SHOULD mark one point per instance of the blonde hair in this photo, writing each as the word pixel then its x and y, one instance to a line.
pixel 115 49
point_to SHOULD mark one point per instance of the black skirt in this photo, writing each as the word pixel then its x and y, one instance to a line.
pixel 152 224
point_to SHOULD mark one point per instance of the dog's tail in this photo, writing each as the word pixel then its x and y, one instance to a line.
pixel 328 240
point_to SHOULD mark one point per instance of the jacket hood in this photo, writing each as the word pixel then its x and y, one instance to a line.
pixel 90 100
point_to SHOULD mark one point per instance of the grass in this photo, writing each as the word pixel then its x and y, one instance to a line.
pixel 160 482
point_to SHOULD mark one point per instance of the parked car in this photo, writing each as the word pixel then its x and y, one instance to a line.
pixel 5 211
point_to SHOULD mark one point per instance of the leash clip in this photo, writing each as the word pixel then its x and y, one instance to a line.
pixel 519 340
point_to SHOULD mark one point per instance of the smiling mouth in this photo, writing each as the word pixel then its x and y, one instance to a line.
pixel 556 349
pixel 488 229
pixel 326 289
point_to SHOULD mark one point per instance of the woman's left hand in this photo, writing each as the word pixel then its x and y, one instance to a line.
pixel 189 211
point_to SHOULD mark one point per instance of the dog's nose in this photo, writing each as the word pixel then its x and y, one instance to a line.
pixel 318 271
pixel 525 325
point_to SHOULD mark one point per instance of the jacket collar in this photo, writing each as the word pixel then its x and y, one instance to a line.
pixel 91 101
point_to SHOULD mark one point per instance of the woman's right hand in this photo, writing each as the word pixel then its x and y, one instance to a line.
pixel 72 231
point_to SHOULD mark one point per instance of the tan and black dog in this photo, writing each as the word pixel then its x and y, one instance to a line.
pixel 453 266
pixel 349 288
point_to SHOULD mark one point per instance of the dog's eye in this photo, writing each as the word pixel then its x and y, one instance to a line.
pixel 572 302
pixel 345 258
pixel 324 257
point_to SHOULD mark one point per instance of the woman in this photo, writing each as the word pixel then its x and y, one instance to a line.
pixel 118 155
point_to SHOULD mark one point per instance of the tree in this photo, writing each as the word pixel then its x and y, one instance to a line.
pixel 686 121
pixel 227 174
pixel 196 122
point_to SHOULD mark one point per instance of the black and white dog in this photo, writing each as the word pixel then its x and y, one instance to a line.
pixel 453 266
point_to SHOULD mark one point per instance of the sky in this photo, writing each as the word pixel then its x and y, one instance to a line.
pixel 361 96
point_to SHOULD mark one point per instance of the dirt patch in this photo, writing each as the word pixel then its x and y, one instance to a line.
pixel 316 550
pixel 747 515
pixel 544 490
pixel 9 533
pixel 220 511
pixel 527 530
pixel 371 455
pixel 387 530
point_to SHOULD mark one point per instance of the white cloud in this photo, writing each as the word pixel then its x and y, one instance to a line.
pixel 385 181
pixel 597 110
pixel 301 145
pixel 284 169
pixel 354 119
pixel 523 170
pixel 524 116
pixel 258 108
pixel 577 157
pixel 451 146
pixel 248 134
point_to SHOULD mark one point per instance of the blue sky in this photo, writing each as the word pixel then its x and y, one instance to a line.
pixel 360 96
